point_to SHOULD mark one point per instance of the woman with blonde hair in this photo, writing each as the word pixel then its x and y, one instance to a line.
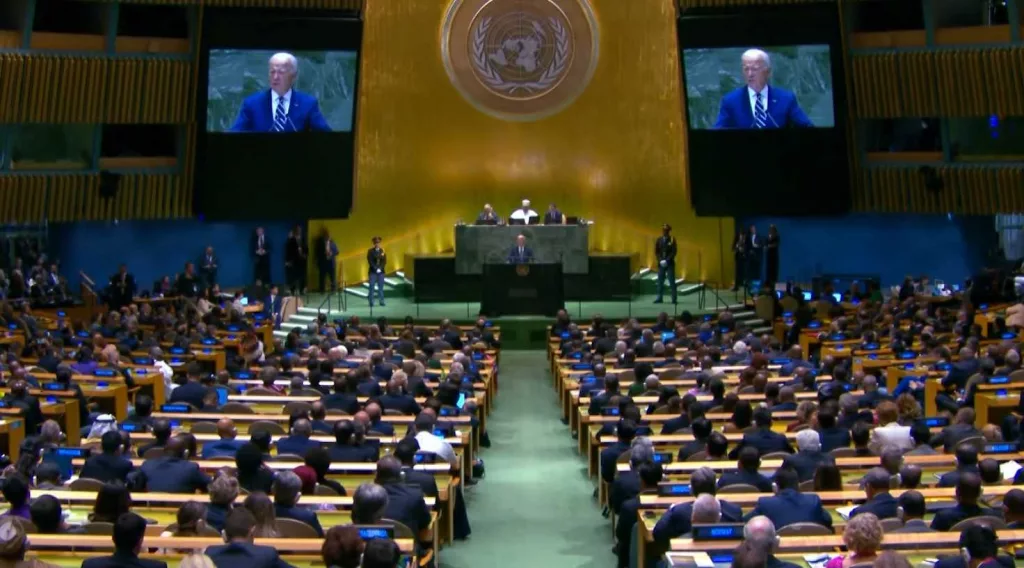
pixel 863 538
pixel 262 509
pixel 909 409
pixel 805 413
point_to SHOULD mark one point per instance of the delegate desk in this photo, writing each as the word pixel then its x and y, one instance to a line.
pixel 73 550
pixel 477 246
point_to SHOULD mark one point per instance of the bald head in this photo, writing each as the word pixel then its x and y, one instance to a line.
pixel 373 410
pixel 175 447
pixel 226 429
pixel 361 417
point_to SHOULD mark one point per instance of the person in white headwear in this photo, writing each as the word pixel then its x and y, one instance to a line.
pixel 526 214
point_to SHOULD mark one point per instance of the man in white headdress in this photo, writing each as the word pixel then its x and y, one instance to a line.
pixel 526 214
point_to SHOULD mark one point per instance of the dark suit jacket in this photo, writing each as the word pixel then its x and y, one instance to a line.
pixel 382 427
pixel 957 561
pixel 774 562
pixel 609 457
pixel 626 486
pixel 190 392
pixel 763 484
pixel 406 505
pixel 421 479
pixel 257 114
pixel 296 445
pixel 216 515
pixel 952 435
pixel 299 514
pixel 832 438
pixel 946 518
pixel 221 448
pixel 675 424
pixel 239 554
pixel 960 371
pixel 272 308
pixel 342 401
pixel 806 462
pixel 31 410
pixel 952 478
pixel 173 475
pixel 883 506
pixel 405 404
pixel 765 441
pixel 624 526
pixel 790 506
pixel 515 258
pixel 676 521
pixel 106 467
pixel 782 108
pixel 119 560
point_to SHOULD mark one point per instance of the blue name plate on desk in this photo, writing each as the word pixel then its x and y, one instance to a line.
pixel 936 422
pixel 53 386
pixel 177 350
pixel 673 489
pixel 663 457
pixel 175 408
pixel 376 532
pixel 717 532
pixel 1001 380
pixel 581 366
pixel 1001 448
pixel 103 372
pixel 610 411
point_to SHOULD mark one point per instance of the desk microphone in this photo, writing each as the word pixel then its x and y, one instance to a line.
pixel 772 118
pixel 289 119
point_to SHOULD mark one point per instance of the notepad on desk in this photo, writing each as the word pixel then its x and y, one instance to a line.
pixel 844 512
pixel 1009 469
pixel 817 560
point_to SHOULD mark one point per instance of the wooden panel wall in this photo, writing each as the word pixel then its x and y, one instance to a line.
pixel 950 83
pixel 968 190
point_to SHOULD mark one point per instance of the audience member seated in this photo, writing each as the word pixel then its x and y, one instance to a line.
pixel 299 442
pixel 966 462
pixel 47 515
pixel 253 475
pixel 405 451
pixel 747 472
pixel 369 504
pixel 262 509
pixel 405 502
pixel 287 492
pixel 677 521
pixel 889 432
pixel 701 428
pixel 108 465
pixel 961 429
pixel 968 491
pixel 763 438
pixel 789 505
pixel 921 435
pixel 349 446
pixel 809 455
pixel 649 474
pixel 429 442
pixel 759 532
pixel 627 483
pixel 192 392
pixel 239 550
pixel 112 501
pixel 224 489
pixel 832 437
pixel 173 472
pixel 343 547
pixel 14 544
pixel 880 502
pixel 319 459
pixel 129 532
pixel 828 478
pixel 161 433
pixel 912 513
pixel 16 493
pixel 979 548
pixel 381 553
pixel 863 538
pixel 395 397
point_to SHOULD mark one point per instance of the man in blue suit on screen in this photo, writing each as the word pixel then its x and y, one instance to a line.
pixel 758 104
pixel 281 108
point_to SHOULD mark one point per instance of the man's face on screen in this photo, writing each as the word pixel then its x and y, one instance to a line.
pixel 755 72
pixel 282 75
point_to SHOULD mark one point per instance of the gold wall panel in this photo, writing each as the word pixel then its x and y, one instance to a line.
pixel 617 155
pixel 953 83
pixel 348 5
pixel 75 197
pixel 969 190
pixel 22 198
pixel 725 3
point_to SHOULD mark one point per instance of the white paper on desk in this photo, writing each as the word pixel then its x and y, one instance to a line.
pixel 817 560
pixel 844 512
pixel 700 559
pixel 1009 469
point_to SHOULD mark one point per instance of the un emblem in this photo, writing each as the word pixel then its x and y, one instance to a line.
pixel 520 59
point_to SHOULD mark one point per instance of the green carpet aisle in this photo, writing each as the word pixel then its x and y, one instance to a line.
pixel 534 509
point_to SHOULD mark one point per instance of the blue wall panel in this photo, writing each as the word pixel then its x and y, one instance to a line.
pixel 153 249
pixel 891 246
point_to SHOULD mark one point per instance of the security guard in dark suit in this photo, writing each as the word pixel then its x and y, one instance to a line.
pixel 665 250
pixel 376 259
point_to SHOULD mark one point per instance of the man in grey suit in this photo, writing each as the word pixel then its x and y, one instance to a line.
pixel 240 550
pixel 913 513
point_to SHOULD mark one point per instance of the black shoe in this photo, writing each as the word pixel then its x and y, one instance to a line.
pixel 658 301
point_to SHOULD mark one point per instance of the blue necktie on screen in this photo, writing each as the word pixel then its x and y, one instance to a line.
pixel 279 117
pixel 760 116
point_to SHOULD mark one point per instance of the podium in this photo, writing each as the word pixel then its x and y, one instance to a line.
pixel 522 289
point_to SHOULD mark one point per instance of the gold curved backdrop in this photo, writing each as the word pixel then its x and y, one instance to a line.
pixel 617 155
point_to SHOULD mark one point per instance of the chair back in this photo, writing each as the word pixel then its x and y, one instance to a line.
pixel 392 412
pixel 152 453
pixel 289 458
pixel 203 532
pixel 28 526
pixel 324 490
pixel 86 484
pixel 203 428
pixel 891 524
pixel 807 485
pixel 843 452
pixel 698 456
pixel 266 425
pixel 98 528
pixel 804 529
pixel 401 529
pixel 262 391
pixel 978 442
pixel 237 408
pixel 671 373
pixel 739 488
pixel 775 456
pixel 994 522
pixel 800 427
pixel 292 528
pixel 297 406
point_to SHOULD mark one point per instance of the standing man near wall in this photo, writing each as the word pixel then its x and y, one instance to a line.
pixel 326 255
pixel 377 260
pixel 295 261
pixel 665 251
pixel 260 248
